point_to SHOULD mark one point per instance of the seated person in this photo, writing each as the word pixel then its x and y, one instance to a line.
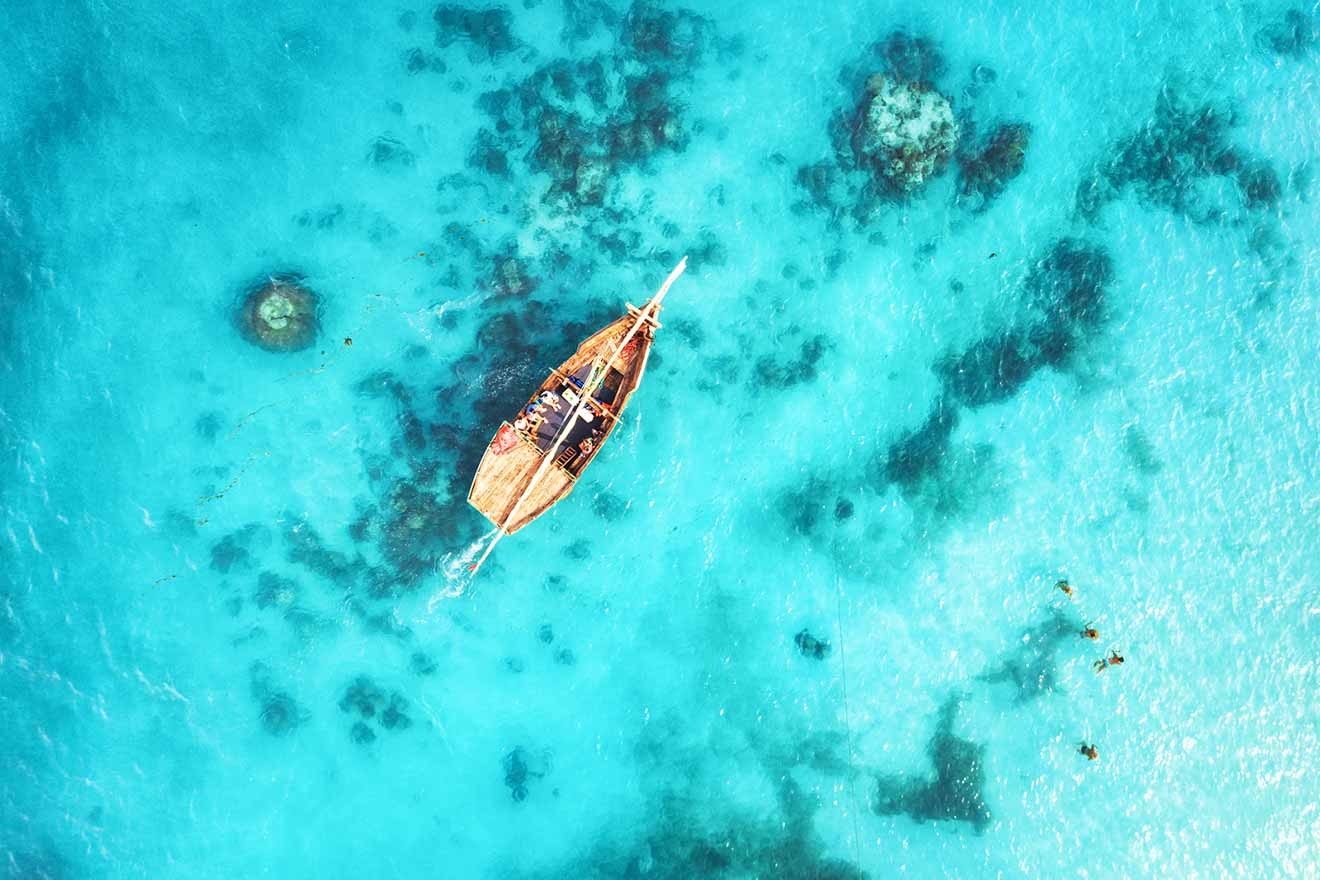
pixel 520 424
pixel 588 444
pixel 550 399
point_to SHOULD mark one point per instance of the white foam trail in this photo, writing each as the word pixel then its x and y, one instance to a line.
pixel 452 567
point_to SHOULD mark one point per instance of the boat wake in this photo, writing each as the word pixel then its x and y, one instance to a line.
pixel 453 569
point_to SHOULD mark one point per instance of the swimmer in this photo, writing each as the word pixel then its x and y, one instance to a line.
pixel 1063 586
pixel 1090 751
pixel 1114 660
pixel 1090 632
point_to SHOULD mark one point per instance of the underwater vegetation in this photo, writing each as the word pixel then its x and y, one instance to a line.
pixel 279 313
pixel 366 702
pixel 902 131
pixel 488 32
pixel 679 841
pixel 234 550
pixel 1031 668
pixel 985 170
pixel 810 646
pixel 588 117
pixel 1169 162
pixel 1293 34
pixel 1063 303
pixel 921 451
pixel 954 793
pixel 521 768
pixel 280 714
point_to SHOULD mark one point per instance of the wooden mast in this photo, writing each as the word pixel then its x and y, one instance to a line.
pixel 648 312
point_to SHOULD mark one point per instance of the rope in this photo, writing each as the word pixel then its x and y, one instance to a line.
pixel 847 720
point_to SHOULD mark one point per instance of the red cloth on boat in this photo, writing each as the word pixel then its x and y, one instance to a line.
pixel 630 349
pixel 505 439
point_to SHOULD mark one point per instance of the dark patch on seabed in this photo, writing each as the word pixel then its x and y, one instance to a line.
pixel 587 118
pixel 1167 162
pixel 1031 669
pixel 954 793
pixel 678 842
pixel 875 164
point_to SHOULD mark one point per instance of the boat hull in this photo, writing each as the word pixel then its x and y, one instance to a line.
pixel 513 457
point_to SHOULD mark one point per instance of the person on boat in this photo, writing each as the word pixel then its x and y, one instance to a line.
pixel 1090 633
pixel 1090 751
pixel 1065 588
pixel 520 424
pixel 534 409
pixel 550 399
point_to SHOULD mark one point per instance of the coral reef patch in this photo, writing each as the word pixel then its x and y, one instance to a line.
pixel 954 793
pixel 279 313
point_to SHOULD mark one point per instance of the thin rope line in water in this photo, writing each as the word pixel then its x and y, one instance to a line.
pixel 847 721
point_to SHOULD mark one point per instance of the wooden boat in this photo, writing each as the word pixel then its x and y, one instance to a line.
pixel 536 459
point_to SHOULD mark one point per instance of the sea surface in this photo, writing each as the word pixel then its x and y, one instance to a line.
pixel 800 619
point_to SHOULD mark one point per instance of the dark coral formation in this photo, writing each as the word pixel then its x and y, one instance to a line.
pixel 387 152
pixel 521 768
pixel 918 453
pixel 802 507
pixel 1168 162
pixel 421 663
pixel 910 57
pixel 682 841
pixel 279 313
pixel 1063 298
pixel 489 32
pixel 1031 669
pixel 785 371
pixel 1293 34
pixel 279 713
pixel 897 133
pixel 810 646
pixel 900 132
pixel 368 702
pixel 208 425
pixel 234 551
pixel 590 117
pixel 1139 451
pixel 273 590
pixel 985 171
pixel 954 793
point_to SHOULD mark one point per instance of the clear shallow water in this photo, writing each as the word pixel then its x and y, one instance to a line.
pixel 170 713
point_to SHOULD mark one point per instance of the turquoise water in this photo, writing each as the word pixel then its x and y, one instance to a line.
pixel 236 636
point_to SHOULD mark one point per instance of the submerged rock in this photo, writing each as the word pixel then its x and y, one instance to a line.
pixel 281 714
pixel 520 768
pixel 906 132
pixel 984 174
pixel 489 31
pixel 280 314
pixel 810 646
pixel 954 793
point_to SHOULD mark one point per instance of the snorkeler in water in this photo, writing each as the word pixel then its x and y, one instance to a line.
pixel 1090 751
pixel 1090 632
pixel 1115 659
pixel 1065 588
